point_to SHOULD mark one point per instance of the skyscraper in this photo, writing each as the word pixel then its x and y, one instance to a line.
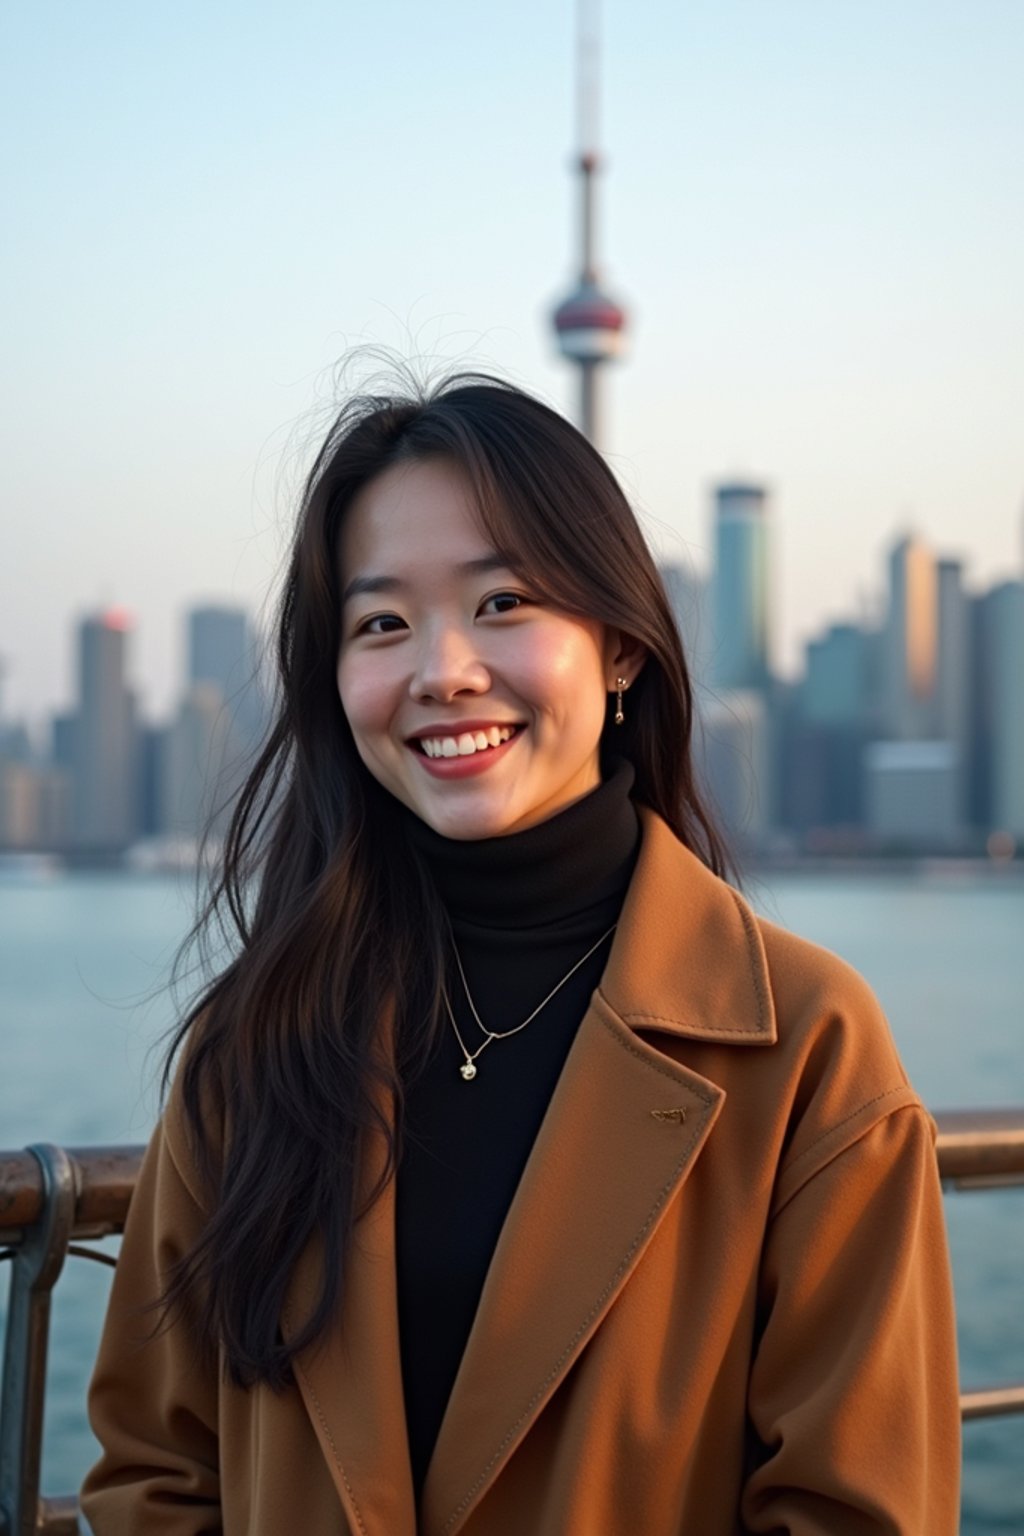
pixel 952 660
pixel 951 653
pixel 910 643
pixel 740 588
pixel 687 594
pixel 199 768
pixel 222 652
pixel 734 762
pixel 980 709
pixel 218 647
pixel 823 781
pixel 104 795
pixel 1006 609
pixel 205 750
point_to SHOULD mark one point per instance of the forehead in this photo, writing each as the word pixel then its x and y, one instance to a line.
pixel 412 516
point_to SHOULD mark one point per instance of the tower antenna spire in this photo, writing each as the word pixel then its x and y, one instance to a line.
pixel 587 65
pixel 587 85
pixel 589 325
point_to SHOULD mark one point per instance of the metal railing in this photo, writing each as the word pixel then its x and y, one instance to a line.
pixel 53 1199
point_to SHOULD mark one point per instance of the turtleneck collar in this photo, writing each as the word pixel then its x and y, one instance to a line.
pixel 574 860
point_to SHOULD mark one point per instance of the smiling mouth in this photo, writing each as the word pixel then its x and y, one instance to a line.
pixel 466 743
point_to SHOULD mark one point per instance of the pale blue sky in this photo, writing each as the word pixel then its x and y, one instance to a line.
pixel 814 210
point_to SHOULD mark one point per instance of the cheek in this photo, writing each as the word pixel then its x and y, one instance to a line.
pixel 564 681
pixel 562 672
pixel 366 695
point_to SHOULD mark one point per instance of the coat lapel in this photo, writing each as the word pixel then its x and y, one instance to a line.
pixel 352 1384
pixel 622 1129
pixel 688 957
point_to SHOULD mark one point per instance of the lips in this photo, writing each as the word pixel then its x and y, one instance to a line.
pixel 455 755
pixel 466 743
pixel 463 738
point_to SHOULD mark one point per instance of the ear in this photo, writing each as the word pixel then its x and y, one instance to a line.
pixel 624 656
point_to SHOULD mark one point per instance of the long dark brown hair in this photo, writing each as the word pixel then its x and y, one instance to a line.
pixel 335 922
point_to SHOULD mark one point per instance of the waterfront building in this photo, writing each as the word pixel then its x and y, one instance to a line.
pixel 152 750
pixel 912 794
pixel 830 731
pixel 218 647
pixel 740 588
pixel 1006 611
pixel 198 764
pixel 979 712
pixel 222 651
pixel 62 740
pixel 15 744
pixel 19 811
pixel 952 651
pixel 950 717
pixel 910 643
pixel 53 805
pixel 734 762
pixel 35 805
pixel 835 685
pixel 687 592
pixel 105 746
pixel 197 753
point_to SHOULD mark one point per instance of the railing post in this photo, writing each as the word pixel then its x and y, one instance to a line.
pixel 37 1263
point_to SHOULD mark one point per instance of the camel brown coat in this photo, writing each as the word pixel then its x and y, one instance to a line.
pixel 720 1302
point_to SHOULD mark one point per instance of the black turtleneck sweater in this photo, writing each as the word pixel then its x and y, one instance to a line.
pixel 524 909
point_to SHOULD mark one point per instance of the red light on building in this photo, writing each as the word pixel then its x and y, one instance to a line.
pixel 117 618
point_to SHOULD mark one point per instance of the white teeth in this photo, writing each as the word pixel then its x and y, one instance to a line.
pixel 468 743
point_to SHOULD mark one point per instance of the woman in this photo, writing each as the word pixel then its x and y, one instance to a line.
pixel 515 1178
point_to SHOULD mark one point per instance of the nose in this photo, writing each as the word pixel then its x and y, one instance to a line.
pixel 447 663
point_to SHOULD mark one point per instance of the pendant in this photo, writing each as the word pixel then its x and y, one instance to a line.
pixel 468 1070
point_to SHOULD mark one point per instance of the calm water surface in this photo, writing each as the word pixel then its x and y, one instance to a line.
pixel 82 960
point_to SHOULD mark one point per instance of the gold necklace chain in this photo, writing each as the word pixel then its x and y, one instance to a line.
pixel 468 1068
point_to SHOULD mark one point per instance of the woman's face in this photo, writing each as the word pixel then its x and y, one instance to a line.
pixel 476 703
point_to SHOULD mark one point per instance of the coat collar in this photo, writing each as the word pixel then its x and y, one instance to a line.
pixel 687 956
pixel 621 1133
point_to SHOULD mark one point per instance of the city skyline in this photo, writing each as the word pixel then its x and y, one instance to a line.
pixel 813 215
pixel 903 733
pixel 864 606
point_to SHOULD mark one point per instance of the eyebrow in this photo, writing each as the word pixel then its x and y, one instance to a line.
pixel 480 566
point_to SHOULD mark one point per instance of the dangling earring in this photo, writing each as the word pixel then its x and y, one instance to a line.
pixel 620 684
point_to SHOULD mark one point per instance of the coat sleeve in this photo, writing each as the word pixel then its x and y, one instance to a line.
pixel 853 1391
pixel 153 1397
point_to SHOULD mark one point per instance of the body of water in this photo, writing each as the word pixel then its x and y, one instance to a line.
pixel 83 958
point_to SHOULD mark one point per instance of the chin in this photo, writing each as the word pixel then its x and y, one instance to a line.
pixel 467 822
pixel 467 828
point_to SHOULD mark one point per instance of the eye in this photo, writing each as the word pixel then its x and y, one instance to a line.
pixel 390 621
pixel 505 602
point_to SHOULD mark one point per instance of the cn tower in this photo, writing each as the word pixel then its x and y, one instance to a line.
pixel 589 325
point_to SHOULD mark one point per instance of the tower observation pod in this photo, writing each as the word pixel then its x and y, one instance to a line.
pixel 589 324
